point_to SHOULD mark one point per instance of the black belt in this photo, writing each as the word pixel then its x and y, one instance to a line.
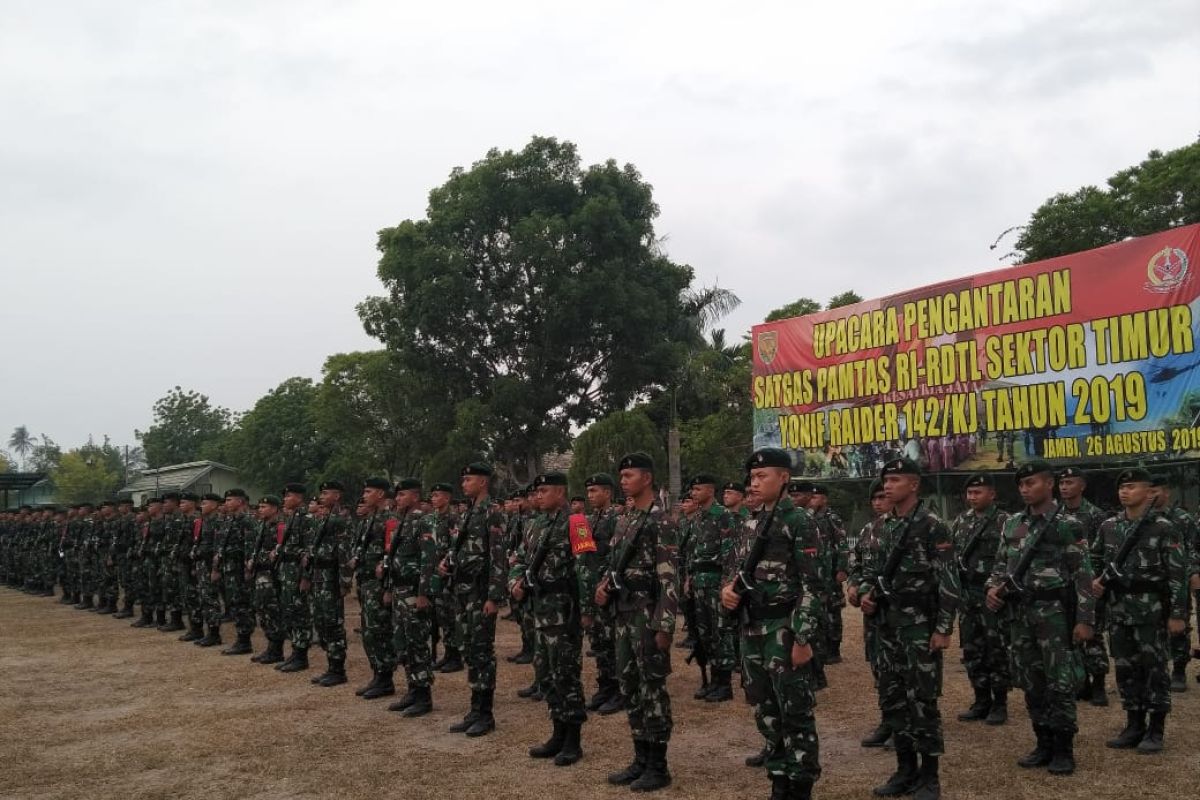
pixel 638 585
pixel 1138 586
pixel 776 611
pixel 560 586
pixel 975 579
pixel 261 569
pixel 705 568
pixel 326 563
pixel 1044 595
pixel 411 582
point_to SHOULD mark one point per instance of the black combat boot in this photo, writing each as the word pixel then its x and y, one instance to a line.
pixel 360 691
pixel 1131 734
pixel 404 702
pixel 1099 696
pixel 160 617
pixel 210 639
pixel 385 687
pixel 722 689
pixel 1062 761
pixel 335 675
pixel 759 758
pixel 485 723
pixel 550 748
pixel 453 662
pixel 656 775
pixel 239 648
pixel 195 632
pixel 801 789
pixel 524 657
pixel 906 778
pixel 472 715
pixel 998 715
pixel 604 691
pixel 1042 752
pixel 780 787
pixel 878 737
pixel 613 704
pixel 146 620
pixel 1152 742
pixel 176 623
pixel 702 692
pixel 298 662
pixel 86 604
pixel 572 749
pixel 929 786
pixel 126 610
pixel 529 691
pixel 980 708
pixel 1179 677
pixel 273 654
pixel 422 702
pixel 634 770
pixel 834 656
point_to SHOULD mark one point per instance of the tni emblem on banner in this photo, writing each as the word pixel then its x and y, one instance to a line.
pixel 768 346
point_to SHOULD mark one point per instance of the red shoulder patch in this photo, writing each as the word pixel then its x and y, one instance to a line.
pixel 580 530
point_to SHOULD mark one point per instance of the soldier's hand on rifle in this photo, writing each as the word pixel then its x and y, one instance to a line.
pixel 1175 627
pixel 423 602
pixel 443 569
pixel 841 576
pixel 730 599
pixel 601 596
pixel 490 608
pixel 1082 633
pixel 1097 588
pixel 994 601
pixel 801 654
pixel 663 640
pixel 518 591
pixel 387 598
pixel 587 621
pixel 939 642
pixel 852 595
pixel 867 604
pixel 379 570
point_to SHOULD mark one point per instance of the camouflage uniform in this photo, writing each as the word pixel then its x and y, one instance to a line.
pixel 124 544
pixel 712 538
pixel 1153 589
pixel 924 600
pixel 440 525
pixel 531 527
pixel 153 554
pixel 208 592
pixel 268 534
pixel 89 545
pixel 369 555
pixel 110 583
pixel 234 545
pixel 781 608
pixel 983 637
pixel 326 549
pixel 1058 594
pixel 173 529
pixel 1093 653
pixel 833 535
pixel 601 634
pixel 1180 645
pixel 478 575
pixel 297 621
pixel 412 561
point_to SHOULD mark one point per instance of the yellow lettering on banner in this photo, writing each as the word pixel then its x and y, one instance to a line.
pixel 1054 349
pixel 1037 405
pixel 1003 303
pixel 802 431
pixel 1137 336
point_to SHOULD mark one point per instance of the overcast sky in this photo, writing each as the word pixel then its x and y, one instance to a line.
pixel 190 191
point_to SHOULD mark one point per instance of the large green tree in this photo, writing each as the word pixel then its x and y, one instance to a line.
pixel 187 427
pixel 536 288
pixel 90 473
pixel 278 441
pixel 1161 192
pixel 798 308
pixel 605 442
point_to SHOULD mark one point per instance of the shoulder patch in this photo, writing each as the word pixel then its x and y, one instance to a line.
pixel 582 540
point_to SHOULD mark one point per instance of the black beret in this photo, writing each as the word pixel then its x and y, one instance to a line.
pixel 1159 479
pixel 190 496
pixel 331 486
pixel 477 468
pixel 150 500
pixel 819 489
pixel 1133 475
pixel 578 499
pixel 733 486
pixel 1031 468
pixel 84 504
pixel 801 486
pixel 408 485
pixel 295 488
pixel 601 479
pixel 685 496
pixel 769 457
pixel 528 490
pixel 1072 472
pixel 237 493
pixel 705 479
pixel 170 496
pixel 876 487
pixel 216 498
pixel 900 466
pixel 378 483
pixel 550 479
pixel 108 504
pixel 269 499
pixel 125 501
pixel 636 461
pixel 442 487
pixel 981 479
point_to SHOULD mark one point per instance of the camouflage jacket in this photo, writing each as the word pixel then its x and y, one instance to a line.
pixel 412 557
pixel 234 539
pixel 291 548
pixel 925 586
pixel 1189 534
pixel 562 589
pixel 369 546
pixel 785 578
pixel 976 540
pixel 437 525
pixel 1155 572
pixel 267 535
pixel 866 546
pixel 604 526
pixel 514 524
pixel 204 546
pixel 713 532
pixel 1090 516
pixel 154 538
pixel 649 576
pixel 1059 561
pixel 477 552
pixel 326 549
pixel 833 540
pixel 125 537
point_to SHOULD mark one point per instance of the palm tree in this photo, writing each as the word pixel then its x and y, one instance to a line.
pixel 22 442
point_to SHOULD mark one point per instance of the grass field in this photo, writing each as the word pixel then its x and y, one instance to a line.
pixel 91 708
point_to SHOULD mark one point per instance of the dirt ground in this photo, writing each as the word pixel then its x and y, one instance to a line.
pixel 92 708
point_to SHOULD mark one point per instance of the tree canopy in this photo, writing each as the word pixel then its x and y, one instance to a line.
pixel 187 427
pixel 278 441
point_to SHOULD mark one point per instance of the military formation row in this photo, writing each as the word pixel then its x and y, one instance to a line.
pixel 763 576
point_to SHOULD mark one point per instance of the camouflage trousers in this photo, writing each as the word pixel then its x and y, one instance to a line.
pixel 1044 664
pixel 910 682
pixel 238 596
pixel 266 603
pixel 444 612
pixel 70 571
pixel 715 629
pixel 835 601
pixel 377 626
pixel 168 584
pixel 110 581
pixel 1181 645
pixel 329 612
pixel 1093 653
pixel 414 634
pixel 982 636
pixel 477 632
pixel 152 580
pixel 208 597
pixel 297 620
pixel 561 648
pixel 600 640
pixel 784 700
pixel 642 670
pixel 1140 653
pixel 89 579
pixel 128 578
pixel 189 599
pixel 48 567
pixel 524 621
pixel 871 646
